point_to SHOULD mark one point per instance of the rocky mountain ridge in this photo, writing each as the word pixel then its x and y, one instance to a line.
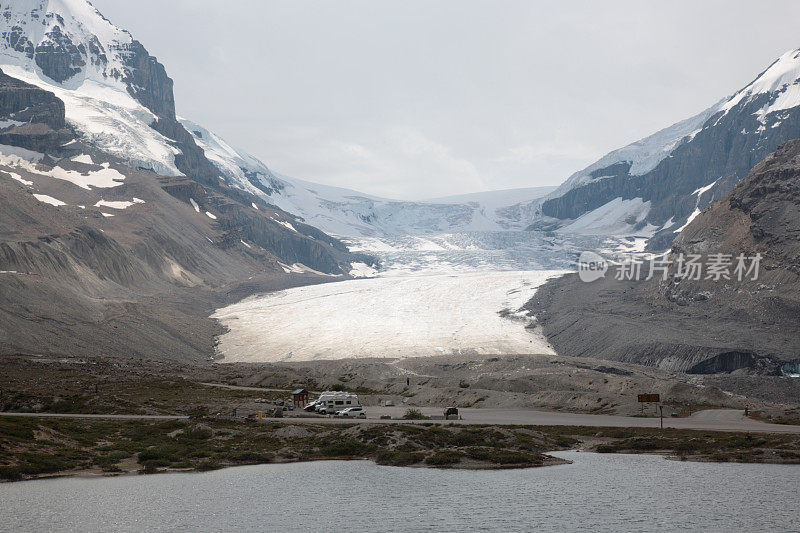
pixel 654 186
pixel 704 325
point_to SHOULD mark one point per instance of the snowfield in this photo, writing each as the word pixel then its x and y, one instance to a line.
pixel 393 316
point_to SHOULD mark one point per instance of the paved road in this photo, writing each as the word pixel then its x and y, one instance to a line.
pixel 716 419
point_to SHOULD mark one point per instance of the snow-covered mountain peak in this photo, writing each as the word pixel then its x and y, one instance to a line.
pixel 642 155
pixel 112 90
pixel 650 184
pixel 781 81
pixel 65 41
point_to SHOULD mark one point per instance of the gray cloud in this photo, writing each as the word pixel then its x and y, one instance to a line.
pixel 418 99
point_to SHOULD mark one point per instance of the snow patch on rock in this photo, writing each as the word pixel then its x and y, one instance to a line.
pixel 115 204
pixel 49 200
pixel 617 217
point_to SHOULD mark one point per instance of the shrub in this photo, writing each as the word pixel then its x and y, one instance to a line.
pixel 251 456
pixel 606 448
pixel 399 458
pixel 414 414
pixel 205 466
pixel 11 473
pixel 344 448
pixel 566 442
pixel 108 463
pixel 511 458
pixel 198 434
pixel 446 457
pixel 162 453
pixel 152 464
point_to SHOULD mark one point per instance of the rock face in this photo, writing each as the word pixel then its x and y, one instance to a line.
pixel 148 82
pixel 58 57
pixel 24 102
pixel 686 166
pixel 701 326
pixel 760 216
pixel 31 117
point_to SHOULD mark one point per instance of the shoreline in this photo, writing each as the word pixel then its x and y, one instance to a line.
pixel 51 448
pixel 550 461
pixel 94 474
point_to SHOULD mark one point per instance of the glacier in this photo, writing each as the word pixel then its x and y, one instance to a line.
pixel 392 316
pixel 348 213
pixel 445 294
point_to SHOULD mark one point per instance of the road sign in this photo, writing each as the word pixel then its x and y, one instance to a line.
pixel 649 398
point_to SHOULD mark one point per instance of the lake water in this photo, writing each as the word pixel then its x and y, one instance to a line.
pixel 596 493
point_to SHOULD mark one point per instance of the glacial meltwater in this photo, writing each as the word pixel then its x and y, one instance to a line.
pixel 595 493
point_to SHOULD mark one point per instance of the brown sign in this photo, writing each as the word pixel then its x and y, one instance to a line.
pixel 650 398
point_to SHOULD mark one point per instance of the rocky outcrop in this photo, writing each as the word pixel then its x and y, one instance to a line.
pixel 58 57
pixel 34 118
pixel 18 41
pixel 148 82
pixel 23 102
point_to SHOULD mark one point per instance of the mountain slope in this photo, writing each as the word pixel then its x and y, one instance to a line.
pixel 701 326
pixel 654 186
pixel 118 99
pixel 118 235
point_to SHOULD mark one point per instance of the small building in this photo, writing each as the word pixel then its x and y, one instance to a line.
pixel 300 398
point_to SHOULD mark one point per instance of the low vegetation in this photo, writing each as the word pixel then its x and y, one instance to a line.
pixel 31 448
pixel 40 447
pixel 716 446
pixel 414 414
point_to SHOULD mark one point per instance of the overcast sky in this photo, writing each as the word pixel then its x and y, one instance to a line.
pixel 418 99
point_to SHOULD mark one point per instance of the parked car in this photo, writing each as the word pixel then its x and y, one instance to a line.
pixel 353 412
pixel 311 407
pixel 451 412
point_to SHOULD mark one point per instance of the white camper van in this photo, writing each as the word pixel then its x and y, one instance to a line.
pixel 331 402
